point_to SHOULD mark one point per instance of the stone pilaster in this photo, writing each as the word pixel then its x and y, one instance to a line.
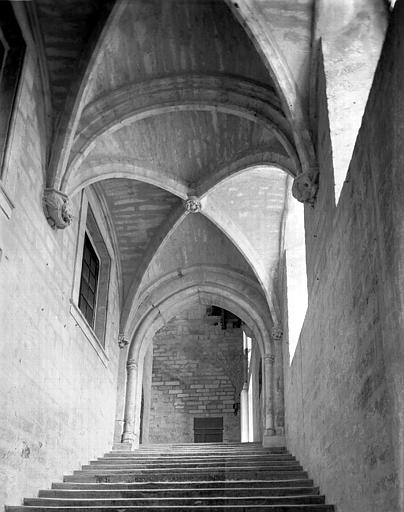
pixel 279 406
pixel 269 394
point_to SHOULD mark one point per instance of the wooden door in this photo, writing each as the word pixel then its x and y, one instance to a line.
pixel 208 430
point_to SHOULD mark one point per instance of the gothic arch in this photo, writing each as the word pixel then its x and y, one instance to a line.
pixel 156 313
pixel 157 303
pixel 192 92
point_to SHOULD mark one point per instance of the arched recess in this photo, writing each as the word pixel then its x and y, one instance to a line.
pixel 161 302
pixel 194 92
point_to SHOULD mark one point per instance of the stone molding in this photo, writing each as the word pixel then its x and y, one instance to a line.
pixel 270 358
pixel 88 332
pixel 6 204
pixel 193 205
pixel 57 208
pixel 305 187
pixel 131 365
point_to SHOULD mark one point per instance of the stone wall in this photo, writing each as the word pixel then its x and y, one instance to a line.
pixel 344 388
pixel 57 392
pixel 191 376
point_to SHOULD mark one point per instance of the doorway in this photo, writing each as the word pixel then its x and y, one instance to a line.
pixel 208 430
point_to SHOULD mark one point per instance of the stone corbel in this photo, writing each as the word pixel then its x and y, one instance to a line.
pixel 276 333
pixel 122 341
pixel 57 208
pixel 193 204
pixel 305 187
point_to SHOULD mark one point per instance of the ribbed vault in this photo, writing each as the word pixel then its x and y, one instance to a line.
pixel 160 101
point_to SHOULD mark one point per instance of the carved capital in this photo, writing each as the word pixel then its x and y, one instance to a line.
pixel 131 365
pixel 122 341
pixel 193 205
pixel 276 333
pixel 305 187
pixel 57 208
pixel 270 358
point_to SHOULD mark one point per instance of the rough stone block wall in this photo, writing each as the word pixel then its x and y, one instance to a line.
pixel 190 379
pixel 57 397
pixel 344 389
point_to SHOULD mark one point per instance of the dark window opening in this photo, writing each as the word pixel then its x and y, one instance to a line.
pixel 226 318
pixel 89 282
pixel 12 49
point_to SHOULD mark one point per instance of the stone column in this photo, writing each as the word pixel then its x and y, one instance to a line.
pixel 244 414
pixel 147 393
pixel 129 431
pixel 121 387
pixel 269 423
pixel 279 408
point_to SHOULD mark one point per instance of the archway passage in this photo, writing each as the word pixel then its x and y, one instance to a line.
pixel 197 378
pixel 195 366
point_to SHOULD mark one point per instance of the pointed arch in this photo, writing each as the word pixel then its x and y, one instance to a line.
pixel 138 101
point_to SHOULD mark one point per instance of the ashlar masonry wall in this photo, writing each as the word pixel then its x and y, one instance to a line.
pixel 345 386
pixel 58 393
pixel 195 367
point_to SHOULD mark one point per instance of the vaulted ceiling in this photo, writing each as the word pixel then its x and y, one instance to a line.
pixel 155 101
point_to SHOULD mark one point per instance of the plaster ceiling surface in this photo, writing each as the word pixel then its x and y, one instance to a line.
pixel 288 24
pixel 196 241
pixel 137 210
pixel 187 145
pixel 250 206
pixel 155 38
pixel 66 27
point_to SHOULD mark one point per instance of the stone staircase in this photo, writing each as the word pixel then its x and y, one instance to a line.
pixel 203 477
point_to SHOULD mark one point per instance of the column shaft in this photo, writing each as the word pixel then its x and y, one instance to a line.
pixel 129 433
pixel 269 424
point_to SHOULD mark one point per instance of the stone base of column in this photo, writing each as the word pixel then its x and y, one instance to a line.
pixel 124 447
pixel 129 439
pixel 271 440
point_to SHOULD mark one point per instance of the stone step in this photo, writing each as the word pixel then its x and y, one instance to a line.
pixel 180 492
pixel 212 484
pixel 180 501
pixel 146 475
pixel 190 452
pixel 207 458
pixel 203 446
pixel 94 470
pixel 273 465
pixel 208 477
pixel 167 508
pixel 161 455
